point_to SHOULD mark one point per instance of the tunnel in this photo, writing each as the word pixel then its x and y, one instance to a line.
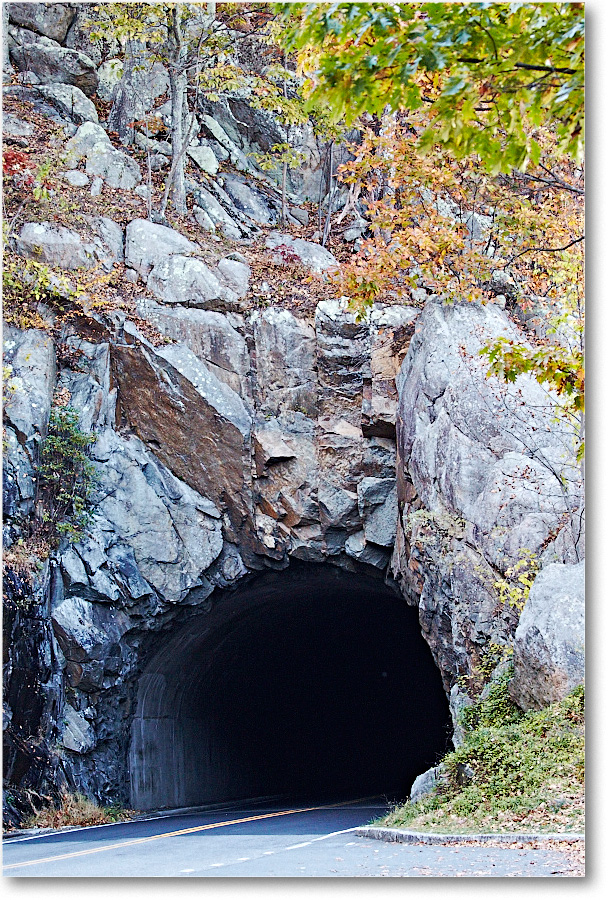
pixel 307 685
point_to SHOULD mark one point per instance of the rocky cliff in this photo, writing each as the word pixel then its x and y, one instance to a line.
pixel 236 432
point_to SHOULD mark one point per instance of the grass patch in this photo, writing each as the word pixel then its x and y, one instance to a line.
pixel 75 809
pixel 514 771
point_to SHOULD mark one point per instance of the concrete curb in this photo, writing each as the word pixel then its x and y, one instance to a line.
pixel 399 835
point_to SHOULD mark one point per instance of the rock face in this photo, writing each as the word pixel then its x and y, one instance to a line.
pixel 51 62
pixel 485 472
pixel 51 20
pixel 255 439
pixel 237 441
pixel 235 449
pixel 549 646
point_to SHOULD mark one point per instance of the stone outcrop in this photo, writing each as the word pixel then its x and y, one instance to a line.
pixel 485 472
pixel 549 644
pixel 50 62
pixel 242 440
pixel 51 20
pixel 248 442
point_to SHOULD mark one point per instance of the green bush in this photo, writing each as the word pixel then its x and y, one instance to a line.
pixel 66 477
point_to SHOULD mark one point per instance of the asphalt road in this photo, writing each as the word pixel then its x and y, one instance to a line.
pixel 318 842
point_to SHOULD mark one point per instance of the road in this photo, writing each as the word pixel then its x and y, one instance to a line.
pixel 316 842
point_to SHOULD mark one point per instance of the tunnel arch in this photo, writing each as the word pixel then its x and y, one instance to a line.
pixel 310 684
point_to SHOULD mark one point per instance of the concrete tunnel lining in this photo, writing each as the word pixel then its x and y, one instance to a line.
pixel 312 683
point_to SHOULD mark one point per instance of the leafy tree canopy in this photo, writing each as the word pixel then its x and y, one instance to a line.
pixel 485 72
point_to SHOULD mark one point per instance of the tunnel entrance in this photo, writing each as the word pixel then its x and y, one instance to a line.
pixel 312 684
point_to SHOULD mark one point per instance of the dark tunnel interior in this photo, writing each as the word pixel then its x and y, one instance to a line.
pixel 311 685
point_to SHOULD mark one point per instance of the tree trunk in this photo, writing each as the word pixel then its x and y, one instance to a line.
pixel 7 69
pixel 175 187
pixel 284 194
pixel 327 228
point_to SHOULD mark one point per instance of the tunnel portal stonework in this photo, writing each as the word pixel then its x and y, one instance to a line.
pixel 255 473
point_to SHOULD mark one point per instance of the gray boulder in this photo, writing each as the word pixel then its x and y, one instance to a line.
pixel 186 280
pixel 51 20
pixel 109 74
pixel 76 178
pixel 88 136
pixel 109 238
pixel 159 161
pixel 51 62
pixel 426 783
pixel 116 168
pixel 148 243
pixel 14 126
pixel 249 200
pixel 54 245
pixel 549 645
pixel 66 249
pixel 70 101
pixel 205 159
pixel 236 274
pixel 312 256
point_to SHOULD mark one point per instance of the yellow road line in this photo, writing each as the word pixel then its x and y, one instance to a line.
pixel 156 837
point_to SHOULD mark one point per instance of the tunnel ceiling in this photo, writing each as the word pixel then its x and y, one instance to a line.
pixel 312 684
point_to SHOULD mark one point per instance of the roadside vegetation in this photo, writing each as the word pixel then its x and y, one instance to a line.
pixel 514 771
pixel 77 810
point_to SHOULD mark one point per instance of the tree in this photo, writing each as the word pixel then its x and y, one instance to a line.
pixel 472 172
pixel 190 39
pixel 174 34
pixel 483 71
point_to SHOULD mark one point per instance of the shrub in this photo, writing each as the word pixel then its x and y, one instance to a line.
pixel 75 809
pixel 66 477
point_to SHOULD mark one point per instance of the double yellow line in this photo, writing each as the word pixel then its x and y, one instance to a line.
pixel 155 837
